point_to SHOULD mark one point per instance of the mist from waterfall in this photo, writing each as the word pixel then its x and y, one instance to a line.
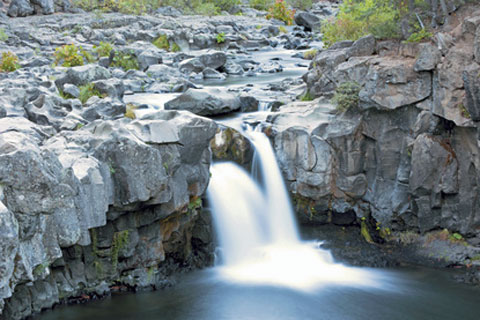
pixel 257 230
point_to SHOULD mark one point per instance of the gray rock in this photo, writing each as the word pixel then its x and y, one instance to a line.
pixel 20 8
pixel 209 73
pixel 307 20
pixel 168 11
pixel 393 84
pixel 71 89
pixel 476 45
pixel 429 58
pixel 191 65
pixel 472 91
pixel 83 75
pixel 205 102
pixel 45 6
pixel 364 46
pixel 233 68
pixel 148 58
pixel 213 60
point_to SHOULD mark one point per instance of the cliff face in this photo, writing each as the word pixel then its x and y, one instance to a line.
pixel 406 158
pixel 113 201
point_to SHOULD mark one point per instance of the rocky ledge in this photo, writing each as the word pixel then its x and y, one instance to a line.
pixel 402 162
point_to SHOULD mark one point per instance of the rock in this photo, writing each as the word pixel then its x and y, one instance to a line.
pixel 83 75
pixel 45 6
pixel 209 73
pixel 168 11
pixel 205 102
pixel 213 60
pixel 429 58
pixel 20 8
pixel 9 244
pixel 364 46
pixel 148 58
pixel 71 89
pixel 472 91
pixel 233 68
pixel 476 45
pixel 191 65
pixel 307 20
pixel 248 103
pixel 393 84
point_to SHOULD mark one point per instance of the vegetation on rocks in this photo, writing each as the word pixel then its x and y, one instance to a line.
pixel 384 20
pixel 281 12
pixel 346 96
pixel 125 60
pixel 70 55
pixel 87 91
pixel 162 42
pixel 103 49
pixel 9 62
pixel 3 35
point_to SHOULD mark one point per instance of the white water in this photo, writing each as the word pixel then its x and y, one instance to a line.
pixel 257 230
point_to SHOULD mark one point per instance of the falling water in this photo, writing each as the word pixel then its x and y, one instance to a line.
pixel 257 230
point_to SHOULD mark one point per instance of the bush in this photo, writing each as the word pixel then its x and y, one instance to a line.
pixel 103 49
pixel 422 34
pixel 125 60
pixel 70 55
pixel 359 18
pixel 261 4
pixel 9 62
pixel 280 12
pixel 301 4
pixel 310 54
pixel 346 96
pixel 124 6
pixel 87 91
pixel 162 43
pixel 221 37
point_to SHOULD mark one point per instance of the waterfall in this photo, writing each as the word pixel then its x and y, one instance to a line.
pixel 257 230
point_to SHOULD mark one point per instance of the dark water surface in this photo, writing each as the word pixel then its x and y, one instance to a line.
pixel 403 294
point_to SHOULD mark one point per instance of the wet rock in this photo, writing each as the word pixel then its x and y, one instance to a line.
pixel 205 102
pixel 209 73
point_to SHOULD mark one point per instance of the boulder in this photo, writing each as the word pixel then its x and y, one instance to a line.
pixel 44 6
pixel 364 46
pixel 83 75
pixel 20 8
pixel 429 58
pixel 213 60
pixel 205 102
pixel 307 20
pixel 476 45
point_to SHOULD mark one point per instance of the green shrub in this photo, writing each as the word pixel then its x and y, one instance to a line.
pixel 103 49
pixel 125 60
pixel 221 37
pixel 3 35
pixel 162 42
pixel 307 96
pixel 280 12
pixel 174 47
pixel 70 55
pixel 136 7
pixel 9 62
pixel 261 4
pixel 87 91
pixel 346 96
pixel 301 4
pixel 207 9
pixel 422 34
pixel 359 18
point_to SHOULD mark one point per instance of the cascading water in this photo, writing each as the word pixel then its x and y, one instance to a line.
pixel 257 230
